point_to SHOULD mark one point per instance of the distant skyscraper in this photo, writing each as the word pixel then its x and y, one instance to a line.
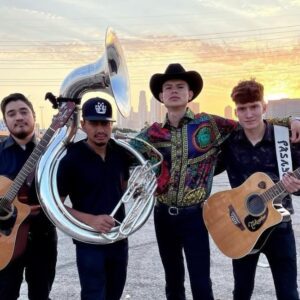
pixel 121 121
pixel 228 112
pixel 283 108
pixel 142 110
pixel 133 121
pixel 155 110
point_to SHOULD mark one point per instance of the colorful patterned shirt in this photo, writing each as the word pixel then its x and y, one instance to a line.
pixel 190 152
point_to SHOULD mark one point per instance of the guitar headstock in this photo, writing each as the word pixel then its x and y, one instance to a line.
pixel 65 112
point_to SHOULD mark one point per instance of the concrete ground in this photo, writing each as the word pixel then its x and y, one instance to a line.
pixel 145 279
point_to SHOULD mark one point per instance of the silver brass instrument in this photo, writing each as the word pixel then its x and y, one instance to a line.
pixel 109 75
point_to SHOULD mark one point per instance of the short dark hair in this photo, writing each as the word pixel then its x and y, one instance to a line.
pixel 247 91
pixel 15 97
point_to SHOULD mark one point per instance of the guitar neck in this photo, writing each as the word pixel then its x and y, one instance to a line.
pixel 28 166
pixel 278 189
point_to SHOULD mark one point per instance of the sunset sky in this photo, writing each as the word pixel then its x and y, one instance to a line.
pixel 226 41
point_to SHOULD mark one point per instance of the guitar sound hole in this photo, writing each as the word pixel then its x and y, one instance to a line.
pixel 6 210
pixel 7 223
pixel 256 205
pixel 3 213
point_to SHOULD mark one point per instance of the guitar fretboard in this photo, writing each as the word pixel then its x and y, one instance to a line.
pixel 278 189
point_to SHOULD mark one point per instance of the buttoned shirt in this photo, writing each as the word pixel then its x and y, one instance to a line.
pixel 241 159
pixel 12 158
pixel 94 185
pixel 189 155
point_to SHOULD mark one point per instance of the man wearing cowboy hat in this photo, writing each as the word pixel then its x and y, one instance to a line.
pixel 190 144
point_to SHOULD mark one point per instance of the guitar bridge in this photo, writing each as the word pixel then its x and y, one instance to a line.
pixel 235 218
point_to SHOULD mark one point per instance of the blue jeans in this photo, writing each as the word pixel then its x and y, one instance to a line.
pixel 38 262
pixel 102 270
pixel 184 232
pixel 280 250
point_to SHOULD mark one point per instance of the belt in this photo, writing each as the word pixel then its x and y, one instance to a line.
pixel 175 210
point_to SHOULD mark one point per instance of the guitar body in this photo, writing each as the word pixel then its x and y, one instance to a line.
pixel 239 220
pixel 13 237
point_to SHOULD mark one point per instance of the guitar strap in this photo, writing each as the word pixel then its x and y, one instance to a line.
pixel 283 150
pixel 284 161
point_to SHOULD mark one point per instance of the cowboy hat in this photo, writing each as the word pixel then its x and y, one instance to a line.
pixel 176 71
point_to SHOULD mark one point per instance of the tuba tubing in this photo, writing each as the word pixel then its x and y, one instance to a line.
pixel 55 210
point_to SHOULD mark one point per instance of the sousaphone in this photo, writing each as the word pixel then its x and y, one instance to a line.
pixel 109 75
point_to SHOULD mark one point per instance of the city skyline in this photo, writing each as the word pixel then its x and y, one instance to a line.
pixel 155 112
pixel 225 41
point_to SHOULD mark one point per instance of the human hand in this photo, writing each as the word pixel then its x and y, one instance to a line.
pixel 102 223
pixel 295 129
pixel 291 183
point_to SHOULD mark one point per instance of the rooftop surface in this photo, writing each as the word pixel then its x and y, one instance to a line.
pixel 145 278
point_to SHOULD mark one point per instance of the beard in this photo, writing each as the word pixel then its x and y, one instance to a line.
pixel 22 135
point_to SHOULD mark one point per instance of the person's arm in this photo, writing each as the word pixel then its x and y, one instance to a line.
pixel 225 127
pixel 140 146
pixel 292 123
pixel 295 130
pixel 291 184
pixel 101 223
pixel 147 135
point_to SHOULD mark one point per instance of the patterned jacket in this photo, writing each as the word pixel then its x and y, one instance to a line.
pixel 190 154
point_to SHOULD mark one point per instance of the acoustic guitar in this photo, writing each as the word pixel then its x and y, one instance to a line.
pixel 13 213
pixel 241 219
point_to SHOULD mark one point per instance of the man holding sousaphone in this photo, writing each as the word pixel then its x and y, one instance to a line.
pixel 94 175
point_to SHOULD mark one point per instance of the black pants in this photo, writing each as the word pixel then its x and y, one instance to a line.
pixel 183 232
pixel 102 270
pixel 38 262
pixel 280 250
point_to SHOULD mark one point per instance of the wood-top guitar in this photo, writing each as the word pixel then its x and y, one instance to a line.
pixel 241 219
pixel 13 213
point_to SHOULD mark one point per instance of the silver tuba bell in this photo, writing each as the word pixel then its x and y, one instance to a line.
pixel 109 75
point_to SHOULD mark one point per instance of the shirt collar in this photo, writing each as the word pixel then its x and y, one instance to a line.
pixel 268 135
pixel 189 115
pixel 10 141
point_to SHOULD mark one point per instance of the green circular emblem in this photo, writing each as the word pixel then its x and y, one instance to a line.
pixel 203 137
